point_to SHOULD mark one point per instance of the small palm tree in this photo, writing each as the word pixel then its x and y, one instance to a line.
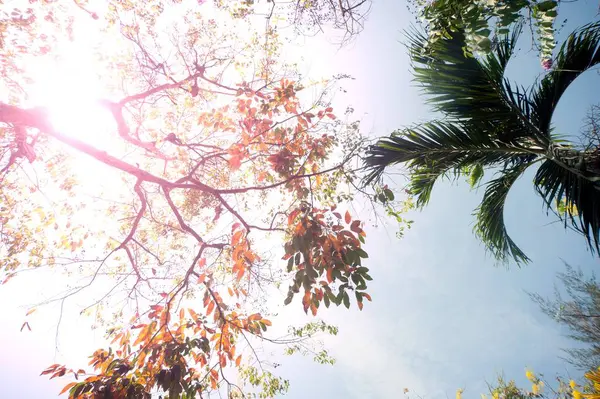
pixel 489 123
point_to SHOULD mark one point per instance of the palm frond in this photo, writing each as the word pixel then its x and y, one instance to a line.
pixel 580 52
pixel 471 89
pixel 557 182
pixel 490 225
pixel 432 149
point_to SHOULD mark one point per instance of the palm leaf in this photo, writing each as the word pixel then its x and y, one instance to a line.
pixel 490 225
pixel 436 148
pixel 556 182
pixel 471 89
pixel 579 53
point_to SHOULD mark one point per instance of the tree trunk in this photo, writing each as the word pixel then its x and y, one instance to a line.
pixel 585 162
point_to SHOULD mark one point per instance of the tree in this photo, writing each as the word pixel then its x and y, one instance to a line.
pixel 204 151
pixel 541 388
pixel 489 123
pixel 580 313
pixel 483 21
pixel 308 17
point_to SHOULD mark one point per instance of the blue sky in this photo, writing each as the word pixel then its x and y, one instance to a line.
pixel 443 316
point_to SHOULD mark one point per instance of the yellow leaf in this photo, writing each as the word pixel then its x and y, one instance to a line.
pixel 530 376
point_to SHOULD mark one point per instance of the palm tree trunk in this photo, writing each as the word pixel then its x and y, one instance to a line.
pixel 585 163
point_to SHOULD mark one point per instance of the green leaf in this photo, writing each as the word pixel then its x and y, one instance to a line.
pixel 389 194
pixel 346 300
pixel 476 175
pixel 326 300
pixel 548 5
pixel 361 253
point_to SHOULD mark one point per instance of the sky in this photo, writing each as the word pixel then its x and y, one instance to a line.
pixel 443 315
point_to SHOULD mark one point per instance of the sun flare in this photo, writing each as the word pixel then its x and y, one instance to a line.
pixel 70 88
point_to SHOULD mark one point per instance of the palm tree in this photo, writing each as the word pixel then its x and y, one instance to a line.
pixel 489 123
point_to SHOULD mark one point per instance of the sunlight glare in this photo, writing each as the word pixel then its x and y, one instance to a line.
pixel 71 90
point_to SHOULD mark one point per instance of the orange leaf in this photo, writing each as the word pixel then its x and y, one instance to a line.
pixel 360 305
pixel 67 387
pixel 267 322
pixel 211 307
pixel 364 294
pixel 30 311
pixel 236 237
pixel 222 360
pixel 330 275
pixel 238 360
pixel 181 313
pixel 193 314
pixel 347 217
pixel 240 273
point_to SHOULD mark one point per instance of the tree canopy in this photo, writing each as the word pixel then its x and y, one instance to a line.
pixel 166 155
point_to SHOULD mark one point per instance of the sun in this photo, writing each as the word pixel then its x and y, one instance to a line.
pixel 70 87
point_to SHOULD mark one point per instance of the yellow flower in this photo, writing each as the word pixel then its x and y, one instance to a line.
pixel 576 394
pixel 530 376
pixel 572 384
pixel 535 389
pixel 496 395
pixel 459 393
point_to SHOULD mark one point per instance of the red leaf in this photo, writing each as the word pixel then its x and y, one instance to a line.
pixel 355 226
pixel 50 369
pixel 235 162
pixel 360 305
pixel 347 217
